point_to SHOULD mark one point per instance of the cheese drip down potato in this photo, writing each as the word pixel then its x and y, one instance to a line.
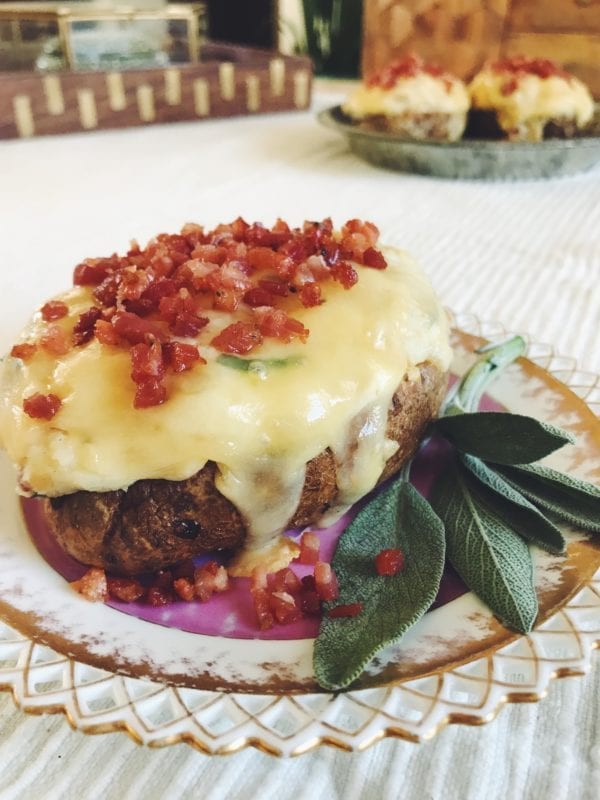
pixel 170 404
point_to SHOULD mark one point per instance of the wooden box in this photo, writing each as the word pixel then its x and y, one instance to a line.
pixel 229 80
pixel 462 34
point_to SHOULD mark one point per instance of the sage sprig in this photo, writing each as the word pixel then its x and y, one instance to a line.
pixel 398 517
pixel 492 502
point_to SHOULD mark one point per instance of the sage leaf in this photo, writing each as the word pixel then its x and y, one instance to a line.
pixel 501 437
pixel 259 365
pixel 516 510
pixel 564 496
pixel 490 557
pixel 398 517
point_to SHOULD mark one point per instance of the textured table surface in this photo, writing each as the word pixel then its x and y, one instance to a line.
pixel 526 254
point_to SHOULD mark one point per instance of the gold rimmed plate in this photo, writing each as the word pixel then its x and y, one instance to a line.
pixel 468 158
pixel 109 671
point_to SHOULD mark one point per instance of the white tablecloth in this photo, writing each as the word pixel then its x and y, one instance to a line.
pixel 523 253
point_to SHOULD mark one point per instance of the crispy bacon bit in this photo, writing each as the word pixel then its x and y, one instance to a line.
pixel 373 258
pixel 210 578
pixel 127 590
pixel 260 598
pixel 275 323
pixel 150 393
pixel 181 357
pixel 345 273
pixel 325 581
pixel 238 338
pixel 93 585
pixel 285 580
pixel 284 608
pixel 24 351
pixel 167 290
pixel 55 340
pixel 155 596
pixel 184 588
pixel 310 545
pixel 389 562
pixel 146 362
pixel 54 309
pixel 408 66
pixel 348 610
pixel 310 295
pixel 105 333
pixel 85 325
pixel 41 406
pixel 310 602
pixel 526 65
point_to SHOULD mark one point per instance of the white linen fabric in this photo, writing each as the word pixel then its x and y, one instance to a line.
pixel 526 254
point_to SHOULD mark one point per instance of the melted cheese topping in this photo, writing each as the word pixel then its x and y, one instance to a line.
pixel 534 99
pixel 423 94
pixel 260 426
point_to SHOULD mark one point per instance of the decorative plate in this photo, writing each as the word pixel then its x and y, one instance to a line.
pixel 467 158
pixel 110 671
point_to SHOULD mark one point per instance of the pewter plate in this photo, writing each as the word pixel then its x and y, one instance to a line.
pixel 468 158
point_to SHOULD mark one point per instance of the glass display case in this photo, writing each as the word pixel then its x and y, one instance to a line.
pixel 54 36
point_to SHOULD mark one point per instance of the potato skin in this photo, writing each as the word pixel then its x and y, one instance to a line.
pixel 156 523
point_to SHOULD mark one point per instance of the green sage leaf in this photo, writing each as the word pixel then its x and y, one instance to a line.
pixel 501 437
pixel 564 496
pixel 491 558
pixel 258 365
pixel 398 517
pixel 521 515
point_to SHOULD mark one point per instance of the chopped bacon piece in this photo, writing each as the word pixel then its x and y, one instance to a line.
pixel 310 602
pixel 210 578
pixel 263 258
pixel 91 272
pixel 238 338
pixel 149 393
pixel 274 286
pixel 374 258
pixel 134 329
pixel 310 295
pixel 285 580
pixel 187 324
pixel 93 585
pixel 326 581
pixel 24 351
pixel 348 610
pixel 156 596
pixel 146 362
pixel 389 562
pixel 105 333
pixel 260 598
pixel 345 273
pixel 54 309
pixel 41 406
pixel 181 357
pixel 184 588
pixel 55 340
pixel 284 608
pixel 275 323
pixel 127 590
pixel 258 297
pixel 310 545
pixel 85 325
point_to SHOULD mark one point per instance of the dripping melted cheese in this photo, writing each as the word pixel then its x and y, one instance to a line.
pixel 260 426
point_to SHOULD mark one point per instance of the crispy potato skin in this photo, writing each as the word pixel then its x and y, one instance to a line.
pixel 156 523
